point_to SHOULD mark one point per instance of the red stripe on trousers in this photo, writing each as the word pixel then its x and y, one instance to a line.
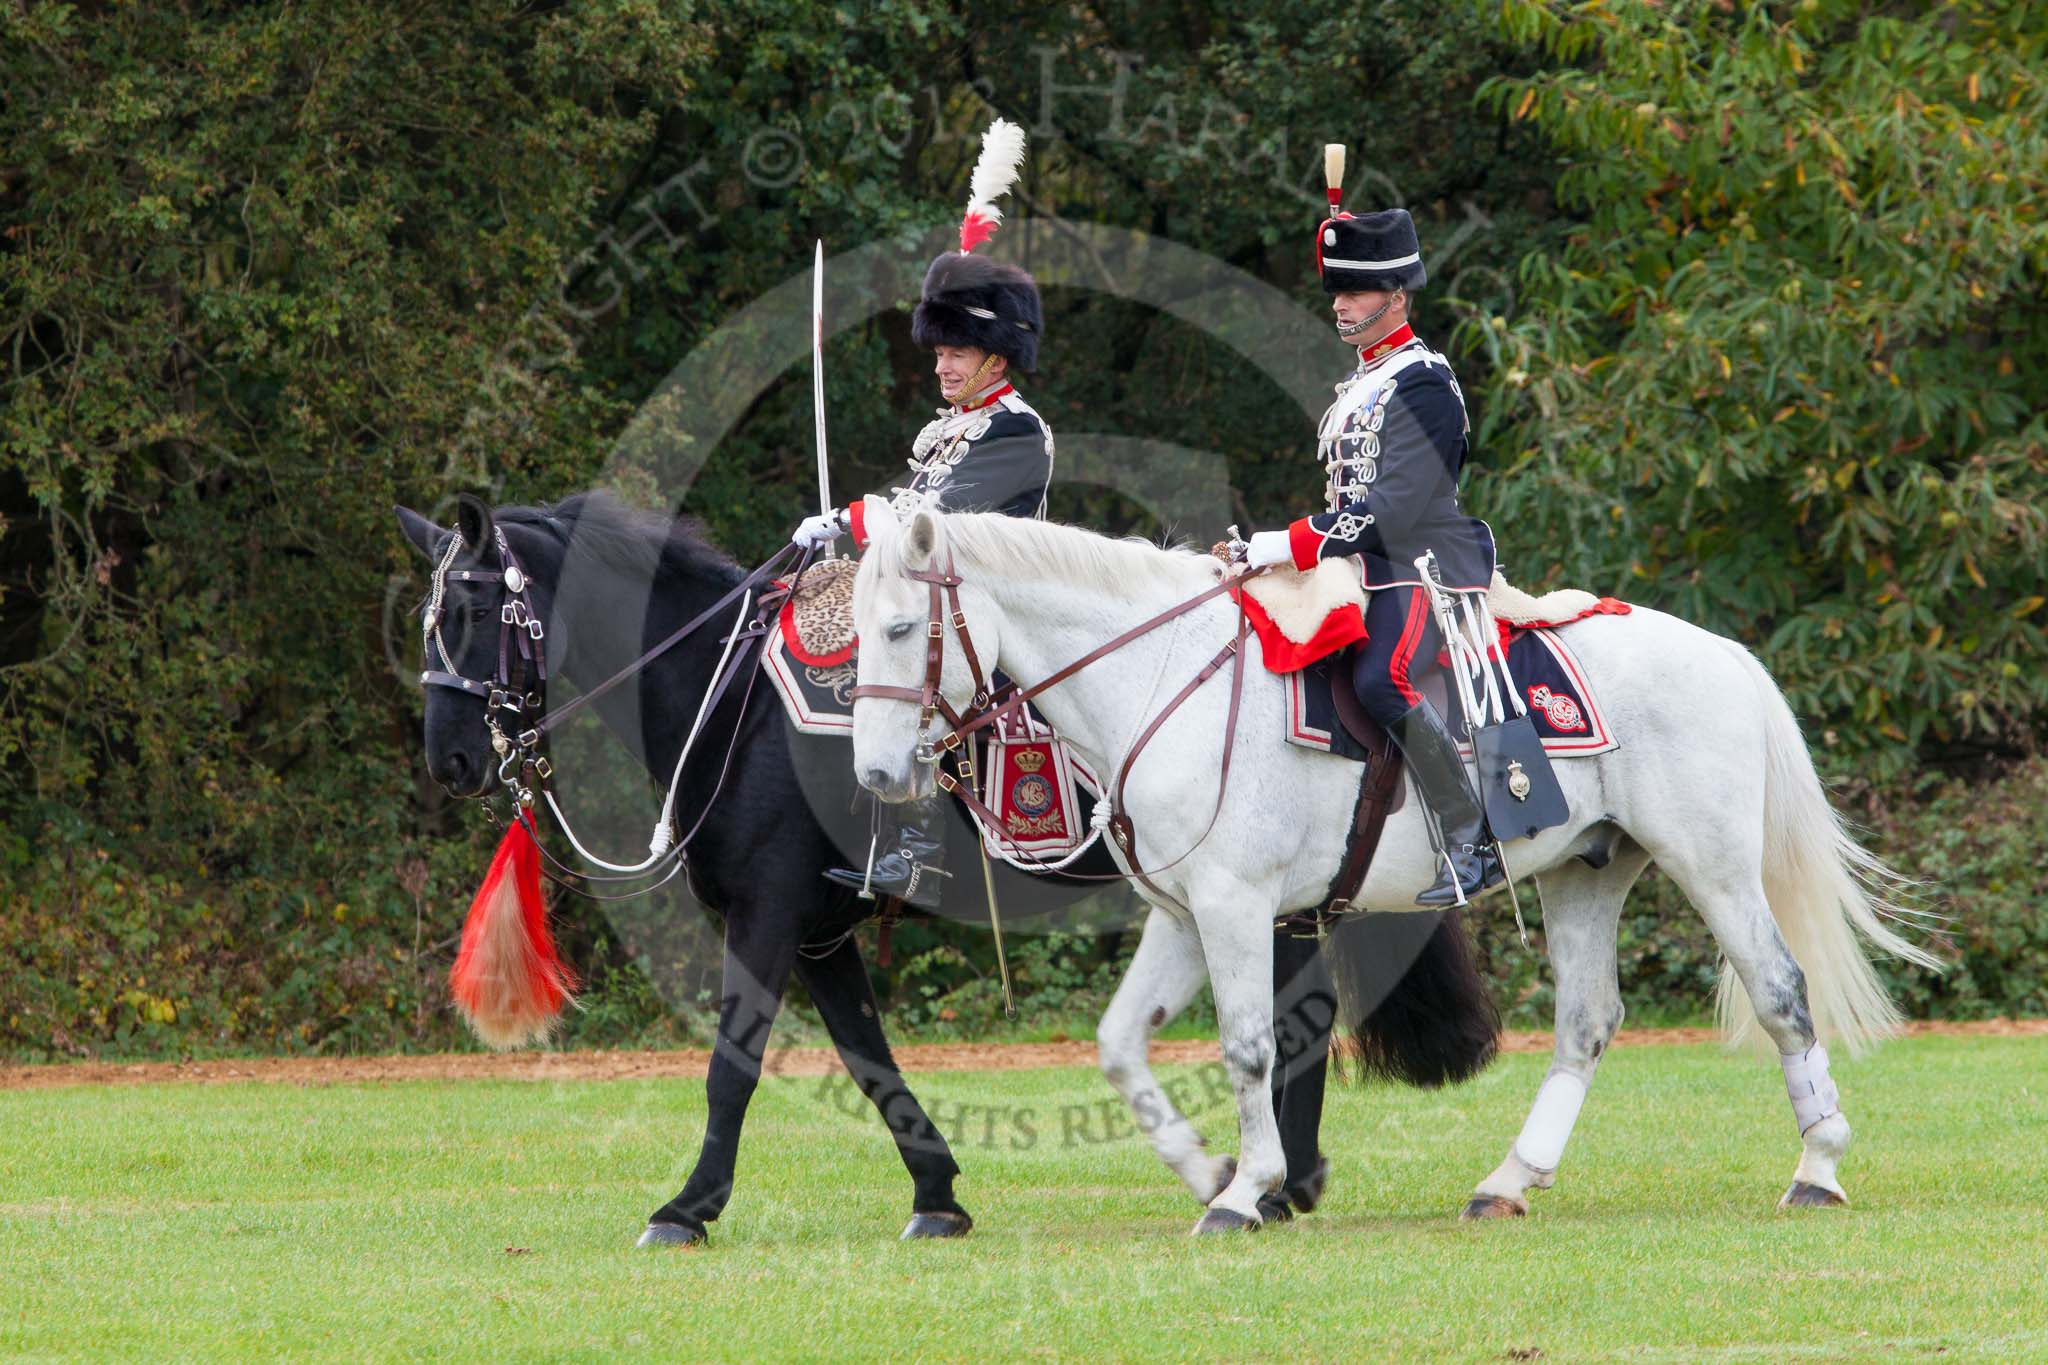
pixel 1404 652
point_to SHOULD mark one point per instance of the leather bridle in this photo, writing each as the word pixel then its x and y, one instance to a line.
pixel 521 635
pixel 986 706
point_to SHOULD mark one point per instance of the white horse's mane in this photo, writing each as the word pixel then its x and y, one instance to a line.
pixel 1019 546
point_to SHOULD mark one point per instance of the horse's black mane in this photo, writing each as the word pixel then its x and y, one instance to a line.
pixel 627 537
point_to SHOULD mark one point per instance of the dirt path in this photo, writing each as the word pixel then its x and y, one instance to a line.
pixel 691 1062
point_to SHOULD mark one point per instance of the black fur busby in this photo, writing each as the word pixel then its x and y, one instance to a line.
pixel 1370 251
pixel 970 300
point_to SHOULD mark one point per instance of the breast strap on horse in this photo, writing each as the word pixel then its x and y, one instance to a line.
pixel 985 708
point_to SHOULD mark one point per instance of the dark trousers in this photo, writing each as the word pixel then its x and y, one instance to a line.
pixel 1401 642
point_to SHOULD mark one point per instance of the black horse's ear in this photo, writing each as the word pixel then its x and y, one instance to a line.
pixel 419 530
pixel 473 519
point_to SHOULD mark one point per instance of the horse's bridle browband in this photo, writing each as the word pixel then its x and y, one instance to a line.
pixel 985 707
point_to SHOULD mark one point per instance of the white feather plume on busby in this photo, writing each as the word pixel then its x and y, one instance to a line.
pixel 995 173
pixel 969 300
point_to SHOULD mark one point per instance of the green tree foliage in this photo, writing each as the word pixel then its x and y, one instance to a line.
pixel 1783 375
pixel 253 265
pixel 266 271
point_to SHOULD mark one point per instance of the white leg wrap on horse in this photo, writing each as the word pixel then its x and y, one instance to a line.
pixel 1811 1087
pixel 1549 1126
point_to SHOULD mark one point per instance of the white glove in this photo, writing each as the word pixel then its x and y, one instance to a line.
pixel 1268 547
pixel 812 532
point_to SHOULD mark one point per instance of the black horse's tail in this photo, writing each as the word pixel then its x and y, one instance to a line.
pixel 1409 988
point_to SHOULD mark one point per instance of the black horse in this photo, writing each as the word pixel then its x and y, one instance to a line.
pixel 608 582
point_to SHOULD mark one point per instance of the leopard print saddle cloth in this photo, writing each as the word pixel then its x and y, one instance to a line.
pixel 817 620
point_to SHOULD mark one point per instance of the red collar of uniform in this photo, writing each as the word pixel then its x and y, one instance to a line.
pixel 991 396
pixel 1386 345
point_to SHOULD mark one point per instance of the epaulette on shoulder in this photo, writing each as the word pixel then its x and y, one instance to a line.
pixel 1013 403
pixel 1425 381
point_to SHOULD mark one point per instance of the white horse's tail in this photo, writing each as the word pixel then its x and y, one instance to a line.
pixel 1824 889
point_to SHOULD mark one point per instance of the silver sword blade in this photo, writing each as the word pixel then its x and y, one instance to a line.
pixel 818 373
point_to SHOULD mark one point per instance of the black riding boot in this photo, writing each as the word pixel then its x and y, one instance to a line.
pixel 910 846
pixel 1440 775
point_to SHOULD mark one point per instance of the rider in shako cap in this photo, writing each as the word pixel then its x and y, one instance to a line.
pixel 986 451
pixel 1392 446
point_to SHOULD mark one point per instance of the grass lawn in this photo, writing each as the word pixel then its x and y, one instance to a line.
pixel 497 1220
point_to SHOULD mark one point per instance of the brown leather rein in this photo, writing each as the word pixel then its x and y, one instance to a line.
pixel 986 707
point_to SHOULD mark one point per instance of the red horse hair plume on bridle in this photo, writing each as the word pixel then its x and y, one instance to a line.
pixel 508 980
pixel 1002 157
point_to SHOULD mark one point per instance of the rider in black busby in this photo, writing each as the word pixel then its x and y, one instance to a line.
pixel 986 451
pixel 1392 446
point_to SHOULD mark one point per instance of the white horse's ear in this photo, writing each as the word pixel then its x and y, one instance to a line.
pixel 921 542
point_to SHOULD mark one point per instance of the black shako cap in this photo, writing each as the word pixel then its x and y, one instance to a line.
pixel 1370 251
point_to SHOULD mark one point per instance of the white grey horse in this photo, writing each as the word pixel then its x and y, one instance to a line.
pixel 1713 783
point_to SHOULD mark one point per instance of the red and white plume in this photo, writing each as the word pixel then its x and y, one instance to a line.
pixel 1002 157
pixel 508 980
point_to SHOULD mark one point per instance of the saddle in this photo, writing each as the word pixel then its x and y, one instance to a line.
pixel 809 655
pixel 1310 625
pixel 817 617
pixel 1567 713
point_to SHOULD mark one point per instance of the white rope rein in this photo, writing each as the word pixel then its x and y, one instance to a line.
pixel 664 835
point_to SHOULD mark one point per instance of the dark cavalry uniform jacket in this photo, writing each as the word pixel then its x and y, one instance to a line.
pixel 1393 445
pixel 991 455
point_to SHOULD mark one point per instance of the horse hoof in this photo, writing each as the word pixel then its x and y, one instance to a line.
pixel 1805 1196
pixel 1274 1208
pixel 672 1235
pixel 1225 1220
pixel 1493 1206
pixel 923 1225
pixel 1309 1192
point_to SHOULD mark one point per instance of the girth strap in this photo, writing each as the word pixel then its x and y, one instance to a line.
pixel 1368 822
